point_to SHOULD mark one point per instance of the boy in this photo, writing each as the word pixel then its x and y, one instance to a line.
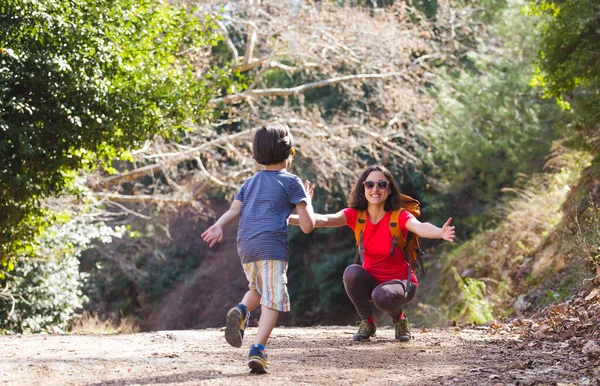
pixel 264 203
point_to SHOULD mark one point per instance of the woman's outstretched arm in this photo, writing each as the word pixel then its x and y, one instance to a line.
pixel 430 231
pixel 323 220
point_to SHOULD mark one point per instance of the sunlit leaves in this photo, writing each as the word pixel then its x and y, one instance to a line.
pixel 568 59
pixel 82 81
pixel 45 291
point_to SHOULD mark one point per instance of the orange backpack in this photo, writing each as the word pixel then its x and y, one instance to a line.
pixel 410 245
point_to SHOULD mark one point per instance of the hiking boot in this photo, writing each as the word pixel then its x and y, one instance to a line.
pixel 235 325
pixel 257 360
pixel 402 330
pixel 365 330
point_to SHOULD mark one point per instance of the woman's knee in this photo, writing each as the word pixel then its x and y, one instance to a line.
pixel 353 272
pixel 391 296
pixel 385 300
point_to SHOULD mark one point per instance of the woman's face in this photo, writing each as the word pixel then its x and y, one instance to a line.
pixel 376 194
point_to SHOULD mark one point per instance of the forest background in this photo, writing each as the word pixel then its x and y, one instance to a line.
pixel 126 128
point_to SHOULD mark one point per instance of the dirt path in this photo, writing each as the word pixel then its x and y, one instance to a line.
pixel 309 356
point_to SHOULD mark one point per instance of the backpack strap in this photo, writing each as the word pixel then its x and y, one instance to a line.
pixel 407 256
pixel 419 255
pixel 361 222
pixel 402 243
pixel 395 231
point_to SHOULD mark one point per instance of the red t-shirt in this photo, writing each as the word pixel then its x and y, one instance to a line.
pixel 377 241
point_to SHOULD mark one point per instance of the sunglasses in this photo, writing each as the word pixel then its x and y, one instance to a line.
pixel 381 184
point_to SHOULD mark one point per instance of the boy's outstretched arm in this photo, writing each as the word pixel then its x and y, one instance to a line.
pixel 430 231
pixel 306 217
pixel 214 234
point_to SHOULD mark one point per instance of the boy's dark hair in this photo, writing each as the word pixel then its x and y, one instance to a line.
pixel 272 144
pixel 358 200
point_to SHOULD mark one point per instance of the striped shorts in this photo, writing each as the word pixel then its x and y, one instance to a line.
pixel 269 279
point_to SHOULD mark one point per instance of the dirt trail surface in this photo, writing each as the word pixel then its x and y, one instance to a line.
pixel 308 356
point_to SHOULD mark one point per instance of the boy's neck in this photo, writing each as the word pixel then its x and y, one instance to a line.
pixel 277 167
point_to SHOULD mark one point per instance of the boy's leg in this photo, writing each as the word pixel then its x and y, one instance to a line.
pixel 251 299
pixel 272 286
pixel 266 324
pixel 235 324
pixel 257 357
pixel 238 316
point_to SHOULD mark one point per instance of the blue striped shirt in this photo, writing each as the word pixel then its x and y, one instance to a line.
pixel 268 198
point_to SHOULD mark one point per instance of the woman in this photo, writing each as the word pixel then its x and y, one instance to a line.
pixel 382 277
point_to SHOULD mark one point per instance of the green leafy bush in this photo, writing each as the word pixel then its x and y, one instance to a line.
pixel 474 306
pixel 490 127
pixel 45 291
pixel 83 80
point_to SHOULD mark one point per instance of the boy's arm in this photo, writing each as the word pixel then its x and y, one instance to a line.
pixel 214 234
pixel 430 231
pixel 306 216
pixel 324 220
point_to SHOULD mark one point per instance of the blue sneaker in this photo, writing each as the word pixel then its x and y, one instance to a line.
pixel 257 360
pixel 235 325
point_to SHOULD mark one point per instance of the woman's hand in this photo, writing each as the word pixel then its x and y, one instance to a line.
pixel 448 231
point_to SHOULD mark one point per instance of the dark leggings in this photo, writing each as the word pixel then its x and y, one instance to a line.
pixel 388 297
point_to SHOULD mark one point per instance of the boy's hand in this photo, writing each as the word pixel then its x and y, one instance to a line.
pixel 448 231
pixel 213 235
pixel 310 189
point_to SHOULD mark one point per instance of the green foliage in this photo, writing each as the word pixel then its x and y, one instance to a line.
pixel 46 290
pixel 160 280
pixel 82 80
pixel 490 126
pixel 474 306
pixel 570 40
pixel 587 226
pixel 568 61
pixel 428 7
pixel 524 252
pixel 328 274
pixel 317 292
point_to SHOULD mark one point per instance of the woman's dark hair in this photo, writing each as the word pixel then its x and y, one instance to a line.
pixel 358 200
pixel 272 144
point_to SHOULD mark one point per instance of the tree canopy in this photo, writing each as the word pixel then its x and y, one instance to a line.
pixel 569 61
pixel 84 80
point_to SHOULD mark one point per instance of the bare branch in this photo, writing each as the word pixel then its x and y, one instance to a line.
pixel 213 178
pixel 377 66
pixel 228 40
pixel 230 99
pixel 129 211
pixel 142 198
pixel 384 142
pixel 157 167
pixel 272 64
pixel 251 36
